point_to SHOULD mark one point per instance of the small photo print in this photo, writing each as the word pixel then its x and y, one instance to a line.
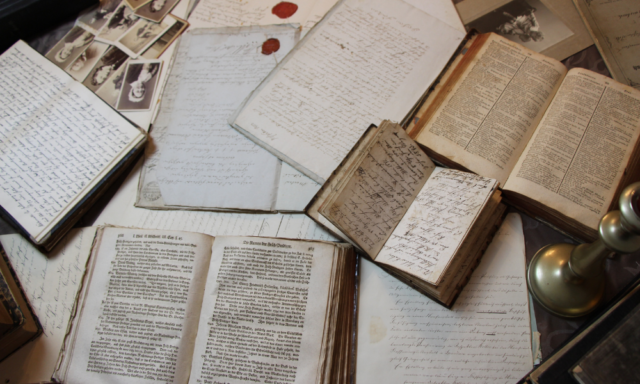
pixel 67 50
pixel 97 17
pixel 119 23
pixel 156 10
pixel 526 22
pixel 154 51
pixel 135 4
pixel 110 90
pixel 140 81
pixel 142 35
pixel 80 68
pixel 105 68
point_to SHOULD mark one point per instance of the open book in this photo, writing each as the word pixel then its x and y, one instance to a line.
pixel 425 224
pixel 561 143
pixel 365 61
pixel 185 307
pixel 60 147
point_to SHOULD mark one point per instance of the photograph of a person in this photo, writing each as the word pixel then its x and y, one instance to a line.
pixel 110 90
pixel 527 22
pixel 87 59
pixel 69 48
pixel 154 51
pixel 104 68
pixel 156 10
pixel 97 17
pixel 119 23
pixel 140 80
pixel 142 35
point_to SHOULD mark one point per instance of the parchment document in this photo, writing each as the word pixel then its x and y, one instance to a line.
pixel 614 26
pixel 51 284
pixel 439 219
pixel 57 140
pixel 578 154
pixel 138 323
pixel 260 319
pixel 485 338
pixel 364 62
pixel 487 119
pixel 197 159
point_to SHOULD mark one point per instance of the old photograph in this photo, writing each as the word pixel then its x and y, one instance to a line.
pixel 104 68
pixel 156 10
pixel 135 4
pixel 87 59
pixel 96 18
pixel 70 47
pixel 110 90
pixel 142 35
pixel 527 22
pixel 139 84
pixel 154 51
pixel 120 22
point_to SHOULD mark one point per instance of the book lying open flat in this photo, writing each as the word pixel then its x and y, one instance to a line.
pixel 563 144
pixel 182 307
pixel 425 224
pixel 60 145
pixel 365 61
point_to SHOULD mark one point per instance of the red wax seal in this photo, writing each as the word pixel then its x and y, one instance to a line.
pixel 284 9
pixel 270 45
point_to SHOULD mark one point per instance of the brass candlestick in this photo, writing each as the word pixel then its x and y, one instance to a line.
pixel 568 280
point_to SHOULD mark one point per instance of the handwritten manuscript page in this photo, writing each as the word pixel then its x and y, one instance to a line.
pixel 485 337
pixel 578 155
pixel 197 159
pixel 364 62
pixel 57 140
pixel 488 116
pixel 50 283
pixel 432 231
pixel 614 28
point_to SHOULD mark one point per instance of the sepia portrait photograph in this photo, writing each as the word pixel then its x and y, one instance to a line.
pixel 70 47
pixel 156 10
pixel 154 51
pixel 96 18
pixel 80 68
pixel 119 23
pixel 104 68
pixel 526 22
pixel 110 90
pixel 142 35
pixel 139 84
pixel 135 4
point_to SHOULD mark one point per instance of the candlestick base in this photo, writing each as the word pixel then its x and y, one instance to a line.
pixel 557 288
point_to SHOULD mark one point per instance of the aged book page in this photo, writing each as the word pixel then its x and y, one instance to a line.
pixel 485 115
pixel 140 308
pixel 268 315
pixel 405 337
pixel 364 62
pixel 438 221
pixel 197 160
pixel 578 155
pixel 51 284
pixel 378 190
pixel 614 28
pixel 58 140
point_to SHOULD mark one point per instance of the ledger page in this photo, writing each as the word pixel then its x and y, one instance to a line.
pixel 141 309
pixel 436 224
pixel 264 311
pixel 576 158
pixel 58 140
pixel 366 61
pixel 51 284
pixel 486 120
pixel 197 160
pixel 404 336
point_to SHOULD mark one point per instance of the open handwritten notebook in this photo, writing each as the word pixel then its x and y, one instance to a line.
pixel 485 338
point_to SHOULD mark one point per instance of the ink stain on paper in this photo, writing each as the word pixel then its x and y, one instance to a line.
pixel 270 46
pixel 284 9
pixel 377 330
